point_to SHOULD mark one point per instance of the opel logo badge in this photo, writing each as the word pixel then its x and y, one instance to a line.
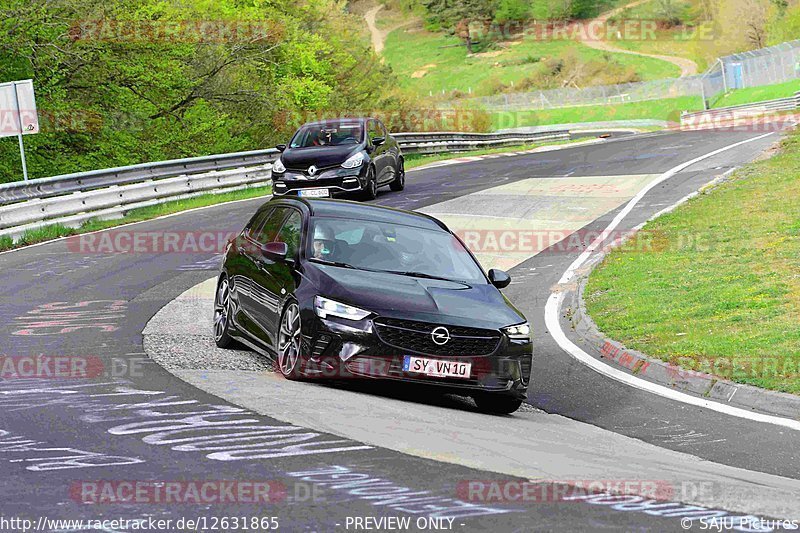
pixel 312 170
pixel 440 336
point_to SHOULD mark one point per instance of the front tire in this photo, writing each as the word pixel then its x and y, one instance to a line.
pixel 290 340
pixel 223 314
pixel 371 189
pixel 497 404
pixel 399 183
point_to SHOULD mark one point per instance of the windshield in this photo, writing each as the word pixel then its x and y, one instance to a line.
pixel 370 245
pixel 327 135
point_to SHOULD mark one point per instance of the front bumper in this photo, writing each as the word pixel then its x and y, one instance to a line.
pixel 337 180
pixel 344 349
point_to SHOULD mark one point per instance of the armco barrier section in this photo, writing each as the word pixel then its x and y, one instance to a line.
pixel 73 199
pixel 723 115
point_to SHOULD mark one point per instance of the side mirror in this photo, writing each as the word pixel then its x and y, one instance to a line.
pixel 377 141
pixel 280 147
pixel 275 250
pixel 499 278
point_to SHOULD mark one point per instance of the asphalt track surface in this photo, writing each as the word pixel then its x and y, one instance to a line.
pixel 138 422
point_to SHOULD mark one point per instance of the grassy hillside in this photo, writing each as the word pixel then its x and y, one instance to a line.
pixel 666 109
pixel 428 63
pixel 757 94
pixel 680 31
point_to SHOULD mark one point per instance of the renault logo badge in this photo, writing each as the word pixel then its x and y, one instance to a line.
pixel 312 170
pixel 440 336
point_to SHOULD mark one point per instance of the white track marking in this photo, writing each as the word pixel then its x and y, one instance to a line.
pixel 554 326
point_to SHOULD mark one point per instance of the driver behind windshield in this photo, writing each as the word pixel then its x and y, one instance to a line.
pixel 324 242
pixel 323 138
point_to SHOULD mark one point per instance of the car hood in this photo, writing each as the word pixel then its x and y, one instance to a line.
pixel 398 296
pixel 320 156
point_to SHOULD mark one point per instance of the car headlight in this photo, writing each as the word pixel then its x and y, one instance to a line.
pixel 354 161
pixel 278 167
pixel 518 332
pixel 326 307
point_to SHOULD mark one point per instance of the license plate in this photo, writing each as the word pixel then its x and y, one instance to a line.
pixel 314 193
pixel 436 367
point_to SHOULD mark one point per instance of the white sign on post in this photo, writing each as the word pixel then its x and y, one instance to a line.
pixel 18 114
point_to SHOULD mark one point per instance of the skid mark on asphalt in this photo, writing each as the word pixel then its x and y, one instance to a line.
pixel 220 432
pixel 507 224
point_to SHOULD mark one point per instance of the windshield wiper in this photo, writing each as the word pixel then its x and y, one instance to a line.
pixel 343 265
pixel 333 263
pixel 424 275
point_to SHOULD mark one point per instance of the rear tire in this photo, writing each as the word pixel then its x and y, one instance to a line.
pixel 399 183
pixel 497 404
pixel 371 189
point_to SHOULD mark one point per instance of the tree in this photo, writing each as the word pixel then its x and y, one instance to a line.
pixel 120 82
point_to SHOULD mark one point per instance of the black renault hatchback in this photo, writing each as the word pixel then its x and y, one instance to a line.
pixel 337 289
pixel 336 157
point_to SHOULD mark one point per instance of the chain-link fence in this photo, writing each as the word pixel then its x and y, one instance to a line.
pixel 767 66
pixel 597 95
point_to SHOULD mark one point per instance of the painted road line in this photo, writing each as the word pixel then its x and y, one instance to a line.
pixel 538 149
pixel 507 224
pixel 554 326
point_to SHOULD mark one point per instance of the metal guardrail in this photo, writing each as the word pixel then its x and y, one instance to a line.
pixel 72 199
pixel 722 115
pixel 433 143
pixel 95 179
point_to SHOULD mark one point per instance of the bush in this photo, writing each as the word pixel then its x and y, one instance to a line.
pixel 490 86
pixel 511 10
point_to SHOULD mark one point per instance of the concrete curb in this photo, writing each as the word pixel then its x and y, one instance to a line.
pixel 643 366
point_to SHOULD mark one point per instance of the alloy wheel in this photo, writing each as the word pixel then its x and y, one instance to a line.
pixel 289 340
pixel 223 314
pixel 221 309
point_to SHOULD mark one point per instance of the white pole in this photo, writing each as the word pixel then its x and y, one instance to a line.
pixel 703 94
pixel 19 135
pixel 724 80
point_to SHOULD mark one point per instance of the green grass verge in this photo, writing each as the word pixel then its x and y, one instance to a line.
pixel 447 66
pixel 417 160
pixel 55 231
pixel 666 109
pixel 757 94
pixel 719 290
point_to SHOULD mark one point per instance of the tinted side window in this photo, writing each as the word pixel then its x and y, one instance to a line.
pixel 382 129
pixel 290 232
pixel 269 230
pixel 256 222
